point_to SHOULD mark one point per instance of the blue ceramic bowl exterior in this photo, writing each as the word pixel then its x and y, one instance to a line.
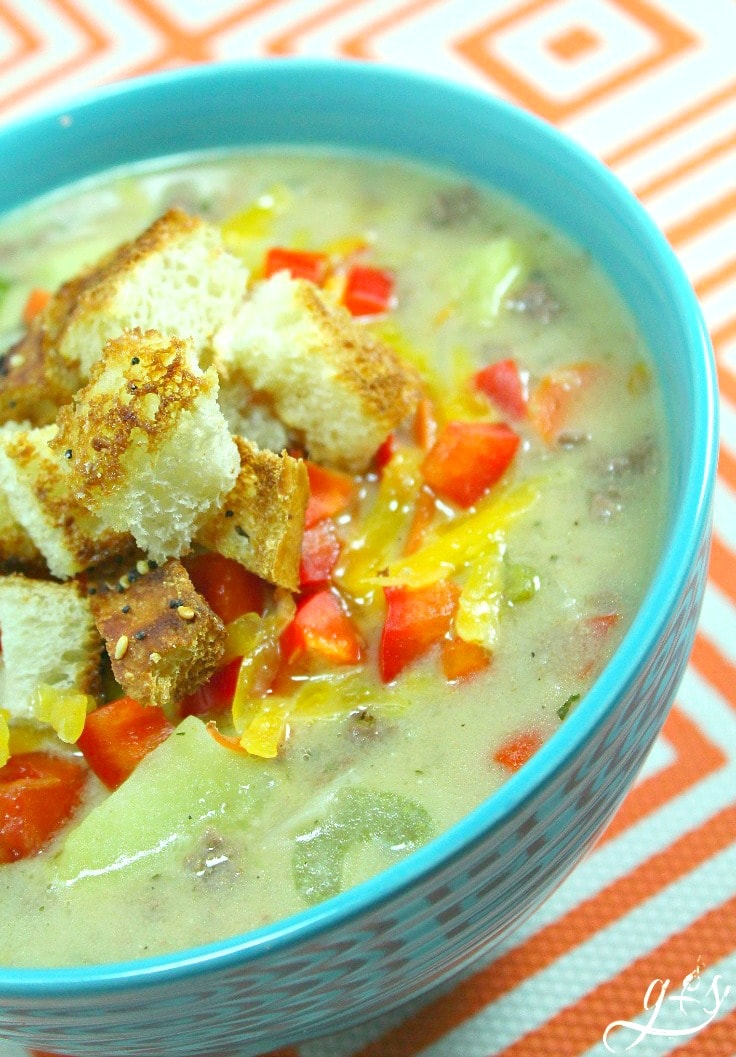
pixel 416 925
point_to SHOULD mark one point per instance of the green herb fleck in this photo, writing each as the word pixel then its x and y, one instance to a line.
pixel 564 710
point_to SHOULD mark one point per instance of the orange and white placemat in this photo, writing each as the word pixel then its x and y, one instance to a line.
pixel 644 932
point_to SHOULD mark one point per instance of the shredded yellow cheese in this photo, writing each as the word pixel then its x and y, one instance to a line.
pixel 247 233
pixel 479 607
pixel 266 731
pixel 385 526
pixel 4 738
pixel 64 710
pixel 463 541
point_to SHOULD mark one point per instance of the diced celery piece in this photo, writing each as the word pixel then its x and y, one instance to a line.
pixel 358 816
pixel 520 584
pixel 486 276
pixel 568 706
pixel 61 262
pixel 188 782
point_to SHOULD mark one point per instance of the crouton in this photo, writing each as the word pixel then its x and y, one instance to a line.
pixel 163 639
pixel 69 536
pixel 176 277
pixel 18 552
pixel 145 443
pixel 338 388
pixel 49 639
pixel 261 521
pixel 252 418
pixel 34 381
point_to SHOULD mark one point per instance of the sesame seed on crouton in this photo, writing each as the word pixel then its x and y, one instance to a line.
pixel 176 277
pixel 261 521
pixel 37 488
pixel 145 443
pixel 49 639
pixel 333 384
pixel 163 639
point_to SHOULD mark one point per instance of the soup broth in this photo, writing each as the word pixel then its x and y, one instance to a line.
pixel 548 564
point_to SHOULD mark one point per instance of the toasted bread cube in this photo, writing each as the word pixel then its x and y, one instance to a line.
pixel 145 442
pixel 261 521
pixel 49 639
pixel 34 381
pixel 339 389
pixel 18 552
pixel 176 277
pixel 37 488
pixel 163 639
pixel 251 418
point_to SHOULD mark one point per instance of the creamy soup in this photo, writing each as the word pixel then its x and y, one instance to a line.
pixel 482 612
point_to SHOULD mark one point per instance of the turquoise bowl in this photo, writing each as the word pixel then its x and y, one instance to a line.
pixel 414 926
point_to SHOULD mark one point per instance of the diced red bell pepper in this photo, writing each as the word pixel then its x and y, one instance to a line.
pixel 519 748
pixel 117 736
pixel 385 453
pixel 227 586
pixel 368 291
pixel 301 264
pixel 416 620
pixel 216 695
pixel 330 492
pixel 468 458
pixel 35 302
pixel 321 631
pixel 551 402
pixel 320 551
pixel 506 385
pixel 463 660
pixel 38 794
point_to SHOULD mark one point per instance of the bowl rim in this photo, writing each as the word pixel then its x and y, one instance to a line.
pixel 677 558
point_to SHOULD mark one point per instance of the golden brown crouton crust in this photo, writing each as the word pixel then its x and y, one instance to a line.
pixel 82 537
pixel 18 554
pixel 163 639
pixel 90 292
pixel 388 389
pixel 34 382
pixel 151 384
pixel 89 679
pixel 261 521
